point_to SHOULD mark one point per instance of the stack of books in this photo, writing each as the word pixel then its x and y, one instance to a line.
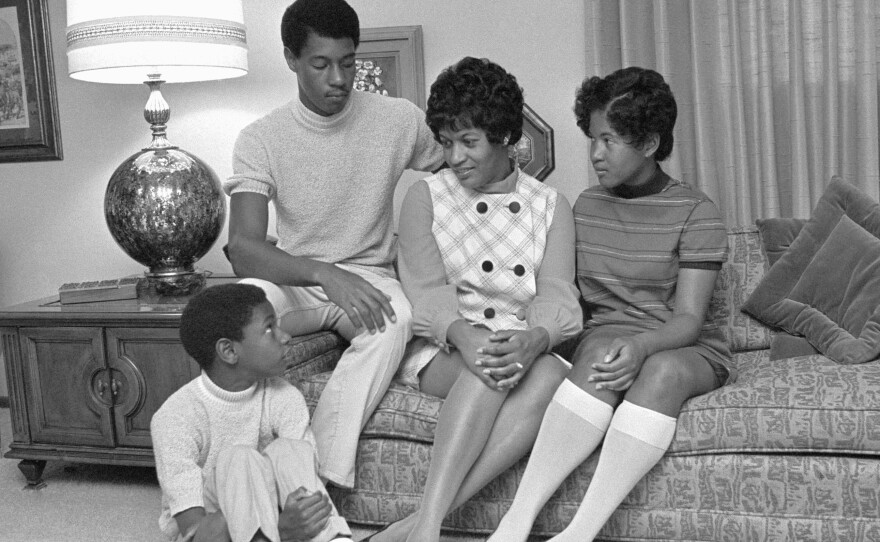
pixel 99 290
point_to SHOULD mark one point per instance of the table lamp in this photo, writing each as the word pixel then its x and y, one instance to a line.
pixel 163 206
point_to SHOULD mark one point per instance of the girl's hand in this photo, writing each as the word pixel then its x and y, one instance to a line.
pixel 511 354
pixel 621 364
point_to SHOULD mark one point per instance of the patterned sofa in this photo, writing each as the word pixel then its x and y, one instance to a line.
pixel 790 452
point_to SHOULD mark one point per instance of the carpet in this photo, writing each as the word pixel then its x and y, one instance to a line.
pixel 83 502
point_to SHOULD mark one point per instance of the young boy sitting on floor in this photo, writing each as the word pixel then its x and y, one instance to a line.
pixel 234 452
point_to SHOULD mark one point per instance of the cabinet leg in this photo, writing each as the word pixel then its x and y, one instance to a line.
pixel 33 471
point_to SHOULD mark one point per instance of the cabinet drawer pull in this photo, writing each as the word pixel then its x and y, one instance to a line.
pixel 101 387
pixel 114 387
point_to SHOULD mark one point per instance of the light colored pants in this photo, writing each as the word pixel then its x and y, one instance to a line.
pixel 361 376
pixel 250 488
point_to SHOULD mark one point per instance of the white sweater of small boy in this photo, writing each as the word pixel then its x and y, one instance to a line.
pixel 201 419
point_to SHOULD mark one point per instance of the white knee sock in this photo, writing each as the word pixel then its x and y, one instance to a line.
pixel 636 440
pixel 571 430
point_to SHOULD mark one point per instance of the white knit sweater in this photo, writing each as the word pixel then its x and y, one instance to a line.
pixel 332 179
pixel 201 419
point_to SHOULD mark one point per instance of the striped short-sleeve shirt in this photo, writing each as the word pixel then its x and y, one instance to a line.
pixel 631 247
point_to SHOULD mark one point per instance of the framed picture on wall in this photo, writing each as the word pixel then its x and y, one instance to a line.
pixel 390 61
pixel 534 151
pixel 29 127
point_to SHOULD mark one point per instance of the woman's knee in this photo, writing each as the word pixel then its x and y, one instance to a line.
pixel 472 387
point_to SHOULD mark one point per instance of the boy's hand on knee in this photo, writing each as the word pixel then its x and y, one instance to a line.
pixel 304 515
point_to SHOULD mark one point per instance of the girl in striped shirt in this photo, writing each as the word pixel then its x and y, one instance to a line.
pixel 649 248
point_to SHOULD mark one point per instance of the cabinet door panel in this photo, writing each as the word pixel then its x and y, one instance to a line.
pixel 137 357
pixel 67 386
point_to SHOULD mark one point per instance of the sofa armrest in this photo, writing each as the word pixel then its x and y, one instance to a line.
pixel 312 354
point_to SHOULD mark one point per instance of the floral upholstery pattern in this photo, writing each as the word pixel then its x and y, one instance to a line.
pixel 740 275
pixel 736 497
pixel 806 404
pixel 789 452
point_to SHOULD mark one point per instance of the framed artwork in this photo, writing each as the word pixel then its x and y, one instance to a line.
pixel 534 151
pixel 390 61
pixel 28 109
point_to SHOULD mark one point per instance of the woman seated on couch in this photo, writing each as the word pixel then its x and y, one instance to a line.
pixel 487 260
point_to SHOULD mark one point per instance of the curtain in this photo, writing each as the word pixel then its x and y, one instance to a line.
pixel 774 96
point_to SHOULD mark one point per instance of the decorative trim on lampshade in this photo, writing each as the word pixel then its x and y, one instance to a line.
pixel 156 29
pixel 124 42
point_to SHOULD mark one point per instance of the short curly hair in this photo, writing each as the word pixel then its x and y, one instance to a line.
pixel 476 92
pixel 326 18
pixel 217 312
pixel 637 102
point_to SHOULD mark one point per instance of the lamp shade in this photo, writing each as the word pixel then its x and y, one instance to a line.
pixel 125 41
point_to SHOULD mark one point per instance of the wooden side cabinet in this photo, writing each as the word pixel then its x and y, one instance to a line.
pixel 85 379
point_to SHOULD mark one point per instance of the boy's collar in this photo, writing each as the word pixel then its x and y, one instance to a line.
pixel 221 393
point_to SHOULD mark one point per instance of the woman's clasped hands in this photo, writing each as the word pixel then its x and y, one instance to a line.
pixel 509 355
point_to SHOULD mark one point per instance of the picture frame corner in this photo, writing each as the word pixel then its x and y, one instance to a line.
pixel 28 92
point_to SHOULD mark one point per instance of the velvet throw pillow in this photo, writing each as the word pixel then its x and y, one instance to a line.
pixel 785 345
pixel 826 286
pixel 777 235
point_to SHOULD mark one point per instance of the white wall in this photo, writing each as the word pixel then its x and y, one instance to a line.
pixel 52 226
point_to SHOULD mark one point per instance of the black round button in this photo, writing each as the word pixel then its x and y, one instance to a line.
pixel 519 270
pixel 489 313
pixel 514 207
pixel 487 266
pixel 482 207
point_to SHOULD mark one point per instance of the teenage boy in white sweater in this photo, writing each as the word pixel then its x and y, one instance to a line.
pixel 234 453
pixel 330 160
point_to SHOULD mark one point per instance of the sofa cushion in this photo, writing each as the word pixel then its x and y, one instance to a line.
pixel 807 404
pixel 777 235
pixel 312 354
pixel 403 413
pixel 804 404
pixel 825 287
pixel 739 276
